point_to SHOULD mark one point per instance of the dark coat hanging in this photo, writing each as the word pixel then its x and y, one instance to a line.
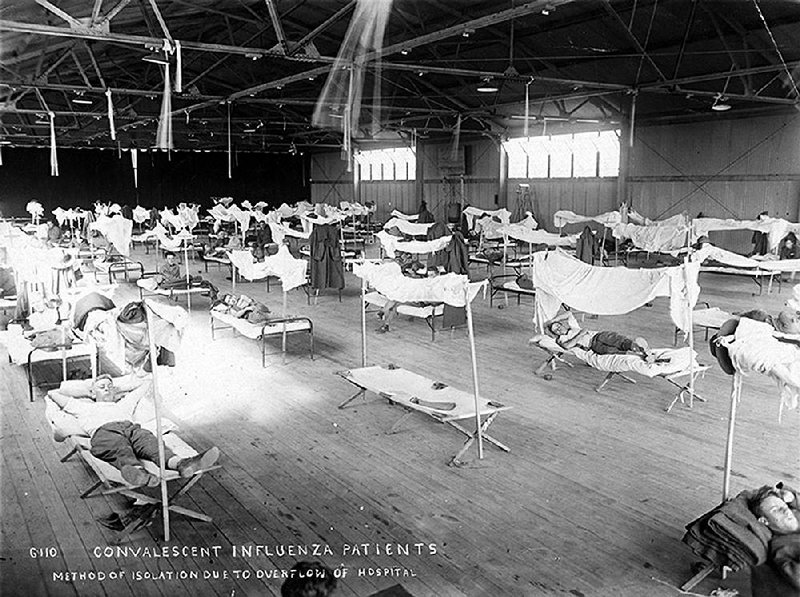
pixel 327 270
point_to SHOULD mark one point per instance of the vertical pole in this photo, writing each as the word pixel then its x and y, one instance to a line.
pixel 188 280
pixel 476 390
pixel 736 389
pixel 363 322
pixel 689 297
pixel 283 338
pixel 159 434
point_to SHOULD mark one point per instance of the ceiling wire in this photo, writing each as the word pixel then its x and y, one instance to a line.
pixel 777 49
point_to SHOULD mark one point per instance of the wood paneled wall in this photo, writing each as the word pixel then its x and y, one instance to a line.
pixel 725 169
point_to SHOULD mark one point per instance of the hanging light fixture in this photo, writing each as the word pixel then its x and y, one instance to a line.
pixel 487 86
pixel 720 103
pixel 156 58
pixel 80 99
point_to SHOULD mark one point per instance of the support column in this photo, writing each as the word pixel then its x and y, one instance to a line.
pixel 502 179
pixel 627 130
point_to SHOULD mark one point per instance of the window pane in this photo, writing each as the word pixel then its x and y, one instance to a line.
pixel 538 157
pixel 560 156
pixel 608 143
pixel 584 152
pixel 517 159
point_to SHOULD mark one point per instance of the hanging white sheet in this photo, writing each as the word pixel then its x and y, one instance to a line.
pixel 117 230
pixel 291 271
pixel 402 216
pixel 406 227
pixel 538 237
pixel 655 238
pixel 388 279
pixel 392 244
pixel 560 278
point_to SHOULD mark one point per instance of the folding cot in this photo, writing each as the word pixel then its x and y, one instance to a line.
pixel 756 274
pixel 149 287
pixel 261 331
pixel 117 264
pixel 21 351
pixel 111 480
pixel 416 393
pixel 508 283
pixel 428 312
pixel 708 318
pixel 670 365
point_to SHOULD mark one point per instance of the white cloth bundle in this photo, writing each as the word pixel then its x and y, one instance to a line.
pixel 140 214
pixel 117 230
pixel 474 213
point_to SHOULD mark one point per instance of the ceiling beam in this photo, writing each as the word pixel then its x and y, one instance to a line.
pixel 312 35
pixel 276 24
pixel 96 10
pixel 72 21
pixel 161 21
pixel 685 39
pixel 479 23
pixel 143 40
pixel 613 13
pixel 113 12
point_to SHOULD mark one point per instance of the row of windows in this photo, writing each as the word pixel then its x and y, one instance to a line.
pixel 554 156
pixel 398 163
pixel 564 156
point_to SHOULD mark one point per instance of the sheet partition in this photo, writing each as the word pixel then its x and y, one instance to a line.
pixel 388 279
pixel 291 271
pixel 392 244
pixel 117 230
pixel 560 278
pixel 406 227
pixel 538 237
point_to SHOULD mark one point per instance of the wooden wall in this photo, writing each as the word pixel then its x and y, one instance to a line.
pixel 724 168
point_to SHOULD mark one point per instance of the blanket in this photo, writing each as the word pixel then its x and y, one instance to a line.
pixel 729 535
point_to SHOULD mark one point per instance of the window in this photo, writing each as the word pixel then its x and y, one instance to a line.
pixel 608 145
pixel 399 163
pixel 564 156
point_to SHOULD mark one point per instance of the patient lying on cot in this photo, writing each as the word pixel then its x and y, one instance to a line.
pixel 568 334
pixel 105 413
pixel 243 307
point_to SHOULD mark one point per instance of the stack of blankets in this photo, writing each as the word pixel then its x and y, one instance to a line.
pixel 729 535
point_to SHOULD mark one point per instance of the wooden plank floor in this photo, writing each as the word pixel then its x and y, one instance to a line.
pixel 591 501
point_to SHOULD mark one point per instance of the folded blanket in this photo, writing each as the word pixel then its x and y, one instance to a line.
pixel 729 535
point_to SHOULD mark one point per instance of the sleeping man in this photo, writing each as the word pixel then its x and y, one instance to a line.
pixel 568 334
pixel 777 508
pixel 106 417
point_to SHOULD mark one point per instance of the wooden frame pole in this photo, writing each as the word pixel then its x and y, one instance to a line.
pixel 476 390
pixel 363 322
pixel 736 391
pixel 159 433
